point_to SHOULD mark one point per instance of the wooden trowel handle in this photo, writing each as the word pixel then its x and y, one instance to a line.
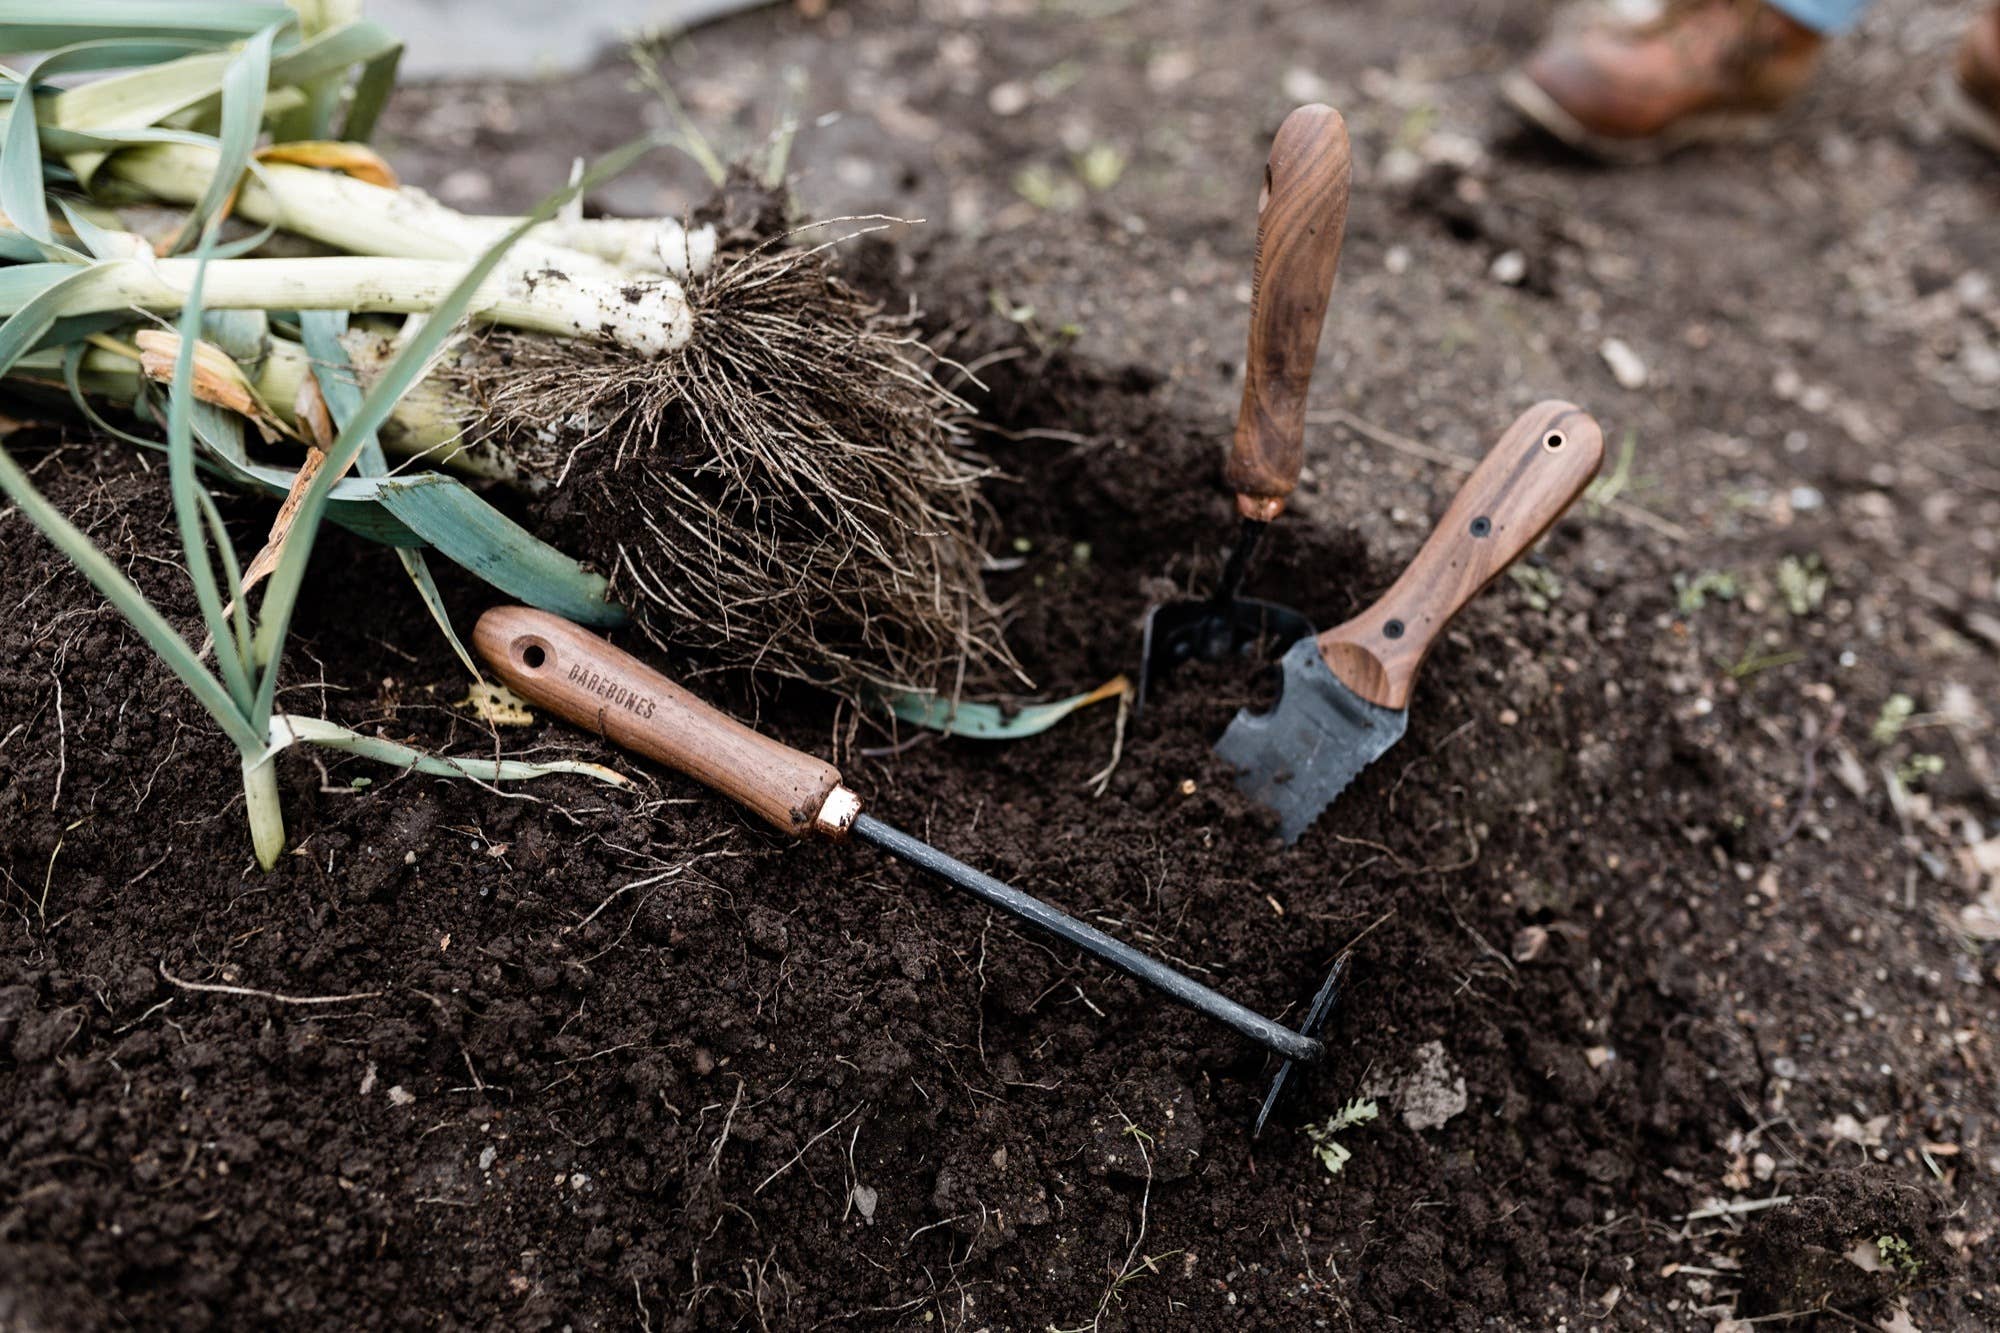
pixel 1531 476
pixel 1301 218
pixel 578 676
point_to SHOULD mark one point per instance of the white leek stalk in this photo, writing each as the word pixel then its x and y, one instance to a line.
pixel 361 218
pixel 647 315
pixel 265 812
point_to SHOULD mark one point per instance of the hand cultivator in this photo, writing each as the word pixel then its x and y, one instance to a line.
pixel 578 676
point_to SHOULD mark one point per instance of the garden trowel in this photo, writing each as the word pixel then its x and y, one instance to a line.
pixel 1301 218
pixel 1345 692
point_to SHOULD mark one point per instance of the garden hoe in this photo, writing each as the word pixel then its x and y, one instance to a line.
pixel 576 675
pixel 1345 693
pixel 1301 219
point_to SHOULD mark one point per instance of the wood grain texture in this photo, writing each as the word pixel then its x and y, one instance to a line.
pixel 574 674
pixel 1301 219
pixel 1536 471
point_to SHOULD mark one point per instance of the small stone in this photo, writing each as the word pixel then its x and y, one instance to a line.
pixel 1170 69
pixel 467 185
pixel 1008 99
pixel 864 1199
pixel 1981 361
pixel 1397 260
pixel 1508 717
pixel 1626 367
pixel 1509 266
pixel 1400 166
pixel 401 1096
pixel 1428 1095
pixel 1303 85
pixel 486 1156
pixel 1806 498
pixel 1000 1158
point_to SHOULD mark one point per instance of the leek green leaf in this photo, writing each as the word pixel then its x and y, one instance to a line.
pixel 990 722
pixel 287 729
pixel 37 25
pixel 333 371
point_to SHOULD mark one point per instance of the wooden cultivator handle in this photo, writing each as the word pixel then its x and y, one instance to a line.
pixel 1531 476
pixel 1301 218
pixel 576 675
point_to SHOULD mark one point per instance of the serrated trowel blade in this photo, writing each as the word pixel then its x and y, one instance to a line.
pixel 1296 758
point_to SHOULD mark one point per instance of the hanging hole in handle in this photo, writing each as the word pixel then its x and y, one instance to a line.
pixel 1552 441
pixel 534 656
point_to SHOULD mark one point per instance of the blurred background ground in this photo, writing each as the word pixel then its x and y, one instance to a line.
pixel 1725 933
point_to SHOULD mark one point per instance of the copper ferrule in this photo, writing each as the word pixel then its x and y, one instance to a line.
pixel 1260 508
pixel 837 813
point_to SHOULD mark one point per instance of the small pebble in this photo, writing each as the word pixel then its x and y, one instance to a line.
pixel 1626 367
pixel 1008 99
pixel 1510 266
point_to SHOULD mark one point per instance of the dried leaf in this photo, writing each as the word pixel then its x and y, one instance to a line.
pixel 356 160
pixel 1867 1134
pixel 495 704
pixel 1980 918
pixel 217 379
pixel 318 423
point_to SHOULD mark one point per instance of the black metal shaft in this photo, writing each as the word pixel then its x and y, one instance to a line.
pixel 1234 568
pixel 1170 982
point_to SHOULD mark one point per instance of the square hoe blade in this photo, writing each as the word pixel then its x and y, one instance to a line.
pixel 1345 692
pixel 1298 757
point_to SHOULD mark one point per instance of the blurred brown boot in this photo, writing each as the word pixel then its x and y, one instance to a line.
pixel 1702 70
pixel 1973 96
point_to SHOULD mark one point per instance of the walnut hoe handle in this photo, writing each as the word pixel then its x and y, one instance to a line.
pixel 1518 490
pixel 578 676
pixel 1301 218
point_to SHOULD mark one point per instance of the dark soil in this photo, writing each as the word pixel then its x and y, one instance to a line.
pixel 1635 876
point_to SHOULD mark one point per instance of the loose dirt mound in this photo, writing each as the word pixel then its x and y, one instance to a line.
pixel 1636 875
pixel 600 1060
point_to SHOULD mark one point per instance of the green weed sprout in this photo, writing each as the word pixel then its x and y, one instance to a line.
pixel 1331 1154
